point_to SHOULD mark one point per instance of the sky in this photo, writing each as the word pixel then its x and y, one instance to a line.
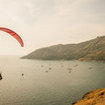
pixel 42 23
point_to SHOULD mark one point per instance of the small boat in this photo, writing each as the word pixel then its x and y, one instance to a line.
pixel 76 65
pixel 50 68
pixel 22 74
pixel 69 68
pixel 42 66
pixel 90 67
pixel 69 72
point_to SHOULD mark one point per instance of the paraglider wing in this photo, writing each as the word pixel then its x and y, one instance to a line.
pixel 14 34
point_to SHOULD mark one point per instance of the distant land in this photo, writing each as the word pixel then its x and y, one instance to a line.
pixel 89 50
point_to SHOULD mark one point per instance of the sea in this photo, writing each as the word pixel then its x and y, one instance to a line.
pixel 47 82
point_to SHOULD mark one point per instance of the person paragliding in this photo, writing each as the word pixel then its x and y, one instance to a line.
pixel 1 76
pixel 14 34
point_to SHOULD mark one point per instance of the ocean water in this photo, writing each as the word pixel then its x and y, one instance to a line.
pixel 47 82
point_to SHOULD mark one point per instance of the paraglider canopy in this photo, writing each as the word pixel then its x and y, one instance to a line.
pixel 14 34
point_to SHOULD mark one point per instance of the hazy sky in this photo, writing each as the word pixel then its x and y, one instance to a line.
pixel 46 22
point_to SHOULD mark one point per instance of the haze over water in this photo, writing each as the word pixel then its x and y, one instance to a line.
pixel 47 82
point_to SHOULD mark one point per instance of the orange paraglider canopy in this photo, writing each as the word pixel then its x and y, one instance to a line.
pixel 14 34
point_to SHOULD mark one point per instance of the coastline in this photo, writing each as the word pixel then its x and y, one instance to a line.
pixel 95 97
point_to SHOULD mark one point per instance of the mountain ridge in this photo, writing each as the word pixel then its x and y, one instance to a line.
pixel 93 49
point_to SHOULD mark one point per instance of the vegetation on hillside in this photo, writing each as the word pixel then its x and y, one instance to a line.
pixel 90 50
pixel 95 97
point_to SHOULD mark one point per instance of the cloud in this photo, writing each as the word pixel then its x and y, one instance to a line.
pixel 48 22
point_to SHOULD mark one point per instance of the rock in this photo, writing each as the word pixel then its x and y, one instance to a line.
pixel 95 97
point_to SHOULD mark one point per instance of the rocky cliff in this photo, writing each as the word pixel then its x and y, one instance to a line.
pixel 95 97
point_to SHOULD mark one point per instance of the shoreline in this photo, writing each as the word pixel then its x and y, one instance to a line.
pixel 94 97
pixel 85 60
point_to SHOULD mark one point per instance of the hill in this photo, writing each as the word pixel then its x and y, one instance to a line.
pixel 89 50
pixel 95 97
